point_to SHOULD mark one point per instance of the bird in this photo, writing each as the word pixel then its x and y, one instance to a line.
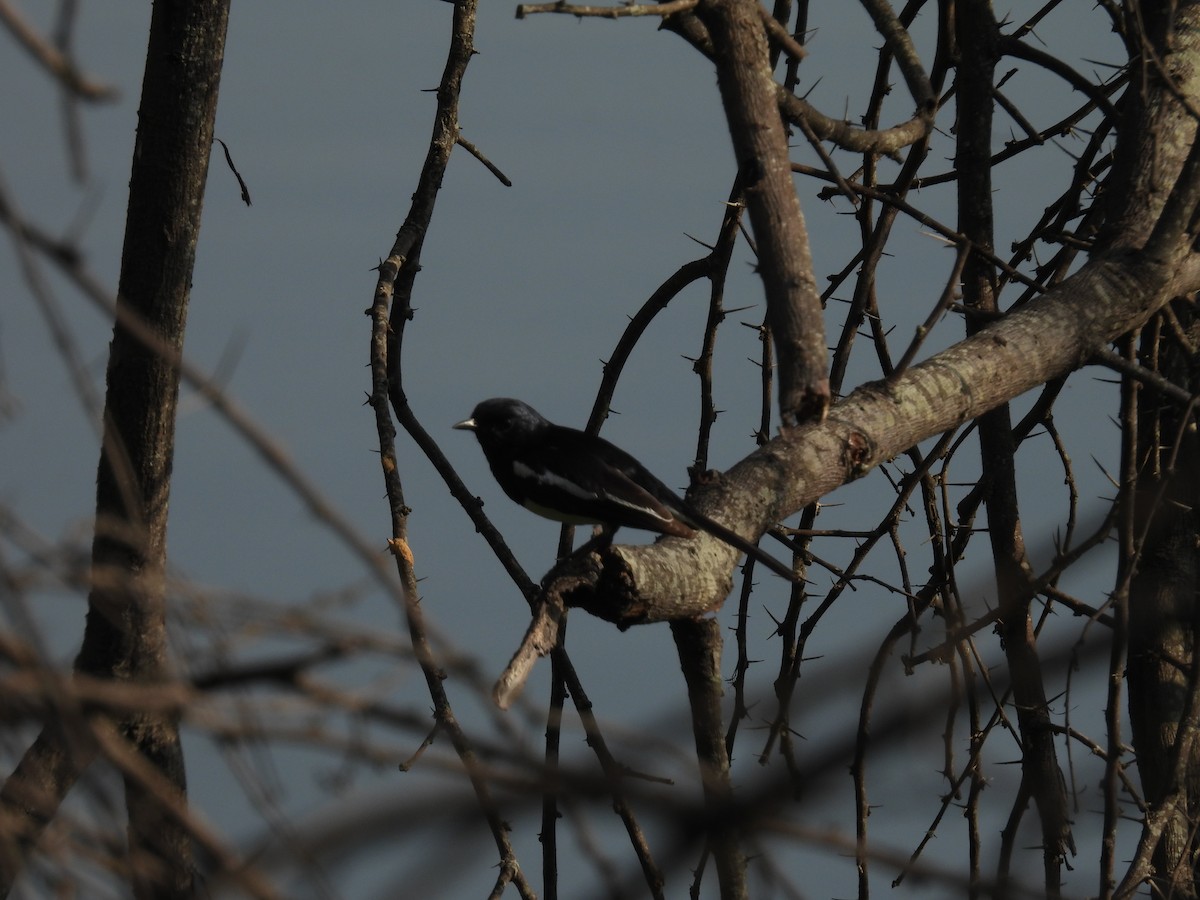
pixel 570 476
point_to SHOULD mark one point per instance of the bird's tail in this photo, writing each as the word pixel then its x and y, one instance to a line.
pixel 735 540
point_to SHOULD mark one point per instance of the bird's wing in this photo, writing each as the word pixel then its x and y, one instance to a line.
pixel 609 484
pixel 644 510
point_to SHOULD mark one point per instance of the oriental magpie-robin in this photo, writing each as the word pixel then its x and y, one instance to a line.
pixel 569 476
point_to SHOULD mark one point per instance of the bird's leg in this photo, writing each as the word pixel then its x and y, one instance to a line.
pixel 599 541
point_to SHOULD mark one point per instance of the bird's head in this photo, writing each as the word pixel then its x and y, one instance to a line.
pixel 502 421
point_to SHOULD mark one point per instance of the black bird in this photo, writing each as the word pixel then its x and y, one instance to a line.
pixel 569 476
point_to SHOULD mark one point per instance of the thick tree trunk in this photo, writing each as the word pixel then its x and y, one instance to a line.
pixel 125 637
pixel 1163 614
pixel 1157 131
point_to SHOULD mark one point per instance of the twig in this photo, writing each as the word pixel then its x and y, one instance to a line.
pixel 478 154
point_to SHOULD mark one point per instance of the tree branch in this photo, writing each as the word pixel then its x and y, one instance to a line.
pixel 794 310
pixel 1045 340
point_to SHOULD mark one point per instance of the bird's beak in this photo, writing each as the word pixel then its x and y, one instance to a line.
pixel 466 425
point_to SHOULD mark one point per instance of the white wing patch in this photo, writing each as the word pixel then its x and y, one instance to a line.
pixel 642 509
pixel 545 476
